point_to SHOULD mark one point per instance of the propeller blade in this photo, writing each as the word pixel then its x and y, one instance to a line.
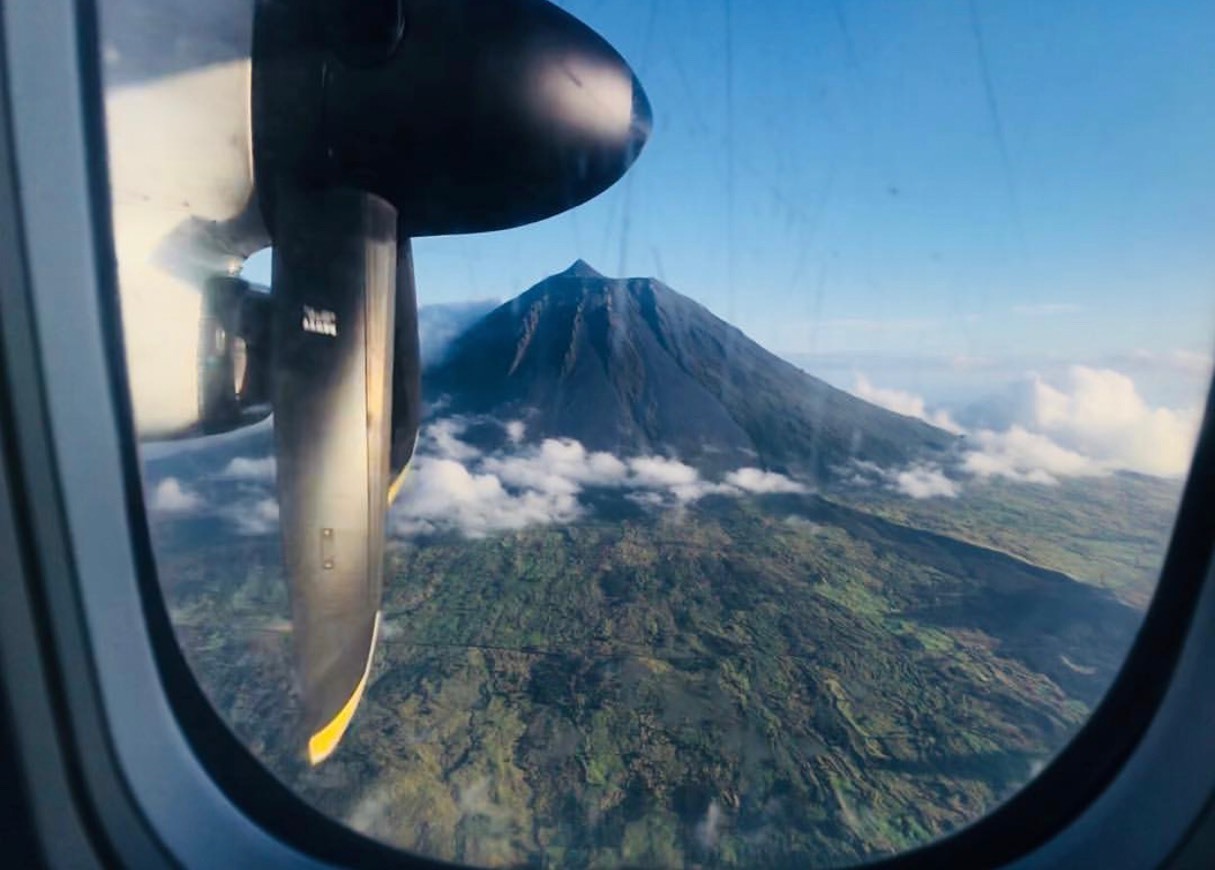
pixel 407 374
pixel 335 277
pixel 446 116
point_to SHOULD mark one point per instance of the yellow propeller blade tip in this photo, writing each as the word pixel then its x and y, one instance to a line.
pixel 323 743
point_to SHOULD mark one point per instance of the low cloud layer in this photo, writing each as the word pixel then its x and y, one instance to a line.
pixel 758 481
pixel 924 481
pixel 249 508
pixel 453 486
pixel 249 468
pixel 443 494
pixel 1087 422
pixel 258 516
pixel 905 403
pixel 919 480
pixel 1100 414
pixel 170 496
pixel 1021 455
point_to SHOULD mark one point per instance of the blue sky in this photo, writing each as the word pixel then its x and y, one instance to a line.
pixel 853 176
pixel 886 180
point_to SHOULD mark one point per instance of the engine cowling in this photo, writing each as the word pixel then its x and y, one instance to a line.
pixel 234 356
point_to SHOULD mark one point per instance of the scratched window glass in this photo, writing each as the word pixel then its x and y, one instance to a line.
pixel 661 433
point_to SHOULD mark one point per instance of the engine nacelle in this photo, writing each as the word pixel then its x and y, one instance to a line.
pixel 233 356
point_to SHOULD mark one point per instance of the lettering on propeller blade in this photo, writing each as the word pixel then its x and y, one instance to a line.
pixel 320 321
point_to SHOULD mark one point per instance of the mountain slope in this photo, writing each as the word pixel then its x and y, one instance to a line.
pixel 631 366
pixel 837 685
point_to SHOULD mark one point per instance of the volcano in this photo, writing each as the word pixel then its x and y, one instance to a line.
pixel 632 367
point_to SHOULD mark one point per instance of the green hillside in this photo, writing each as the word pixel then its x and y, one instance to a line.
pixel 1109 531
pixel 767 682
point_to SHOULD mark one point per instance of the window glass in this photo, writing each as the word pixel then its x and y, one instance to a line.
pixel 793 501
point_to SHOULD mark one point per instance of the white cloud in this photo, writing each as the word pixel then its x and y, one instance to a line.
pixel 515 430
pixel 252 518
pixel 923 481
pixel 1100 414
pixel 659 473
pixel 672 480
pixel 565 466
pixel 455 487
pixel 248 468
pixel 1088 421
pixel 558 465
pixel 901 402
pixel 442 437
pixel 759 481
pixel 648 498
pixel 444 494
pixel 918 480
pixel 1029 457
pixel 170 497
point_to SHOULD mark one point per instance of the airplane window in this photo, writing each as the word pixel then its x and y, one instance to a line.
pixel 669 433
